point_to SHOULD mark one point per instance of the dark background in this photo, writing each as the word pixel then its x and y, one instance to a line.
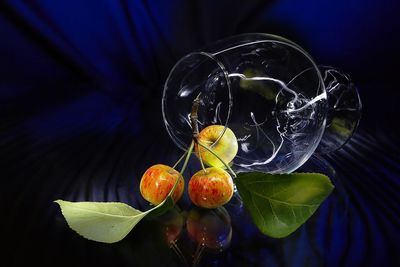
pixel 80 119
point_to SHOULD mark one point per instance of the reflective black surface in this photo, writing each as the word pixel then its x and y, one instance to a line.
pixel 357 225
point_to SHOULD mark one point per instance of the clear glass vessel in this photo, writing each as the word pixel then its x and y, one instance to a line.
pixel 270 92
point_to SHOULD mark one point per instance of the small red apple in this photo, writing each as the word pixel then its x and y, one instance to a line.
pixel 157 182
pixel 210 188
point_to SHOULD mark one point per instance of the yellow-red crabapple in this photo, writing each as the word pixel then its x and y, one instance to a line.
pixel 158 181
pixel 226 148
pixel 210 188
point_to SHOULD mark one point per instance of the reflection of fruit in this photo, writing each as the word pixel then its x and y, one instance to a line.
pixel 210 188
pixel 158 181
pixel 171 224
pixel 226 147
pixel 210 228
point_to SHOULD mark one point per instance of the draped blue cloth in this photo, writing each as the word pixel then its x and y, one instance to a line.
pixel 80 119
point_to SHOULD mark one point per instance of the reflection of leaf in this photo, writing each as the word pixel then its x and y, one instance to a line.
pixel 264 88
pixel 339 126
pixel 279 204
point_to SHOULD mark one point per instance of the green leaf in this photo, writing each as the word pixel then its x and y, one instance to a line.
pixel 106 222
pixel 279 204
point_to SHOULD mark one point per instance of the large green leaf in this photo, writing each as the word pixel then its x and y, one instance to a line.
pixel 106 222
pixel 279 204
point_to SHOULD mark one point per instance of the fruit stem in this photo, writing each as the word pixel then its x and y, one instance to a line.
pixel 195 125
pixel 223 162
pixel 200 158
pixel 189 152
pixel 193 116
pixel 179 160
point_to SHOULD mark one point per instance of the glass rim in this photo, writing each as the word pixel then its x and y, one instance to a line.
pixel 208 56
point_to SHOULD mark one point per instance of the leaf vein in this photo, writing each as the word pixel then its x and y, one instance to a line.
pixel 284 202
pixel 111 215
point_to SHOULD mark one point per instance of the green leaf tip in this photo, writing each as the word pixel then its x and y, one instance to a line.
pixel 280 203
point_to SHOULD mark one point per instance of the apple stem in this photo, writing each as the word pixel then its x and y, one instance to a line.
pixel 188 153
pixel 194 116
pixel 200 158
pixel 195 124
pixel 218 157
pixel 179 160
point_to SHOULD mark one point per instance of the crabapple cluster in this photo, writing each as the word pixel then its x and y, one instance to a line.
pixel 211 187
